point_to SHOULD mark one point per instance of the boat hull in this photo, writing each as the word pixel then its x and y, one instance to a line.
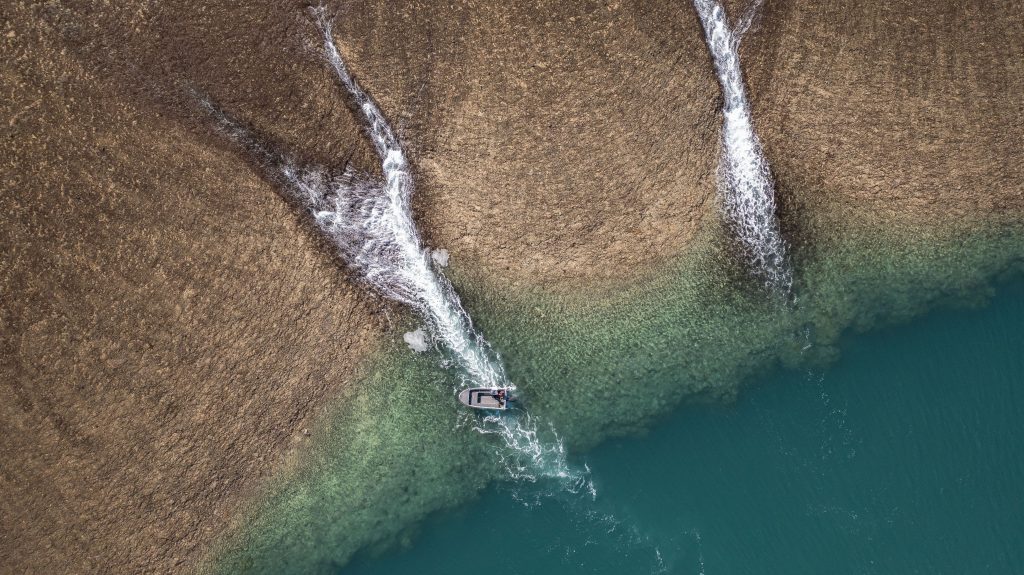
pixel 482 398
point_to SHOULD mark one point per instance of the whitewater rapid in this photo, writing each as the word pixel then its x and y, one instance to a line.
pixel 745 186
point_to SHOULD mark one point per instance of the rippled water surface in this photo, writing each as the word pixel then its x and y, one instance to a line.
pixel 806 464
pixel 904 456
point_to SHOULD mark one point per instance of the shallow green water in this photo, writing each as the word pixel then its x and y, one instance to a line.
pixel 905 456
pixel 400 449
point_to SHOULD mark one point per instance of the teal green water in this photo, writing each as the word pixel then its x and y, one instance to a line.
pixel 905 456
pixel 399 450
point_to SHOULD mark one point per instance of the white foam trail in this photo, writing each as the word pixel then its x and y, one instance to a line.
pixel 528 455
pixel 371 224
pixel 746 189
pixel 373 228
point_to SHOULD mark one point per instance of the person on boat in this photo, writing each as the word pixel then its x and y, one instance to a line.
pixel 500 396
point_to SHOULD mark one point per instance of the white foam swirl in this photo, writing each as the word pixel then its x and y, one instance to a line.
pixel 373 228
pixel 746 189
pixel 372 225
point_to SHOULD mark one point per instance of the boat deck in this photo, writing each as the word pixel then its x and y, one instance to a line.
pixel 481 398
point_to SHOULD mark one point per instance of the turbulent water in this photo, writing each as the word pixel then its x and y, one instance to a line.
pixel 370 224
pixel 746 189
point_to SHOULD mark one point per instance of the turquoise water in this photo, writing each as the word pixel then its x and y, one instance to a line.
pixel 397 450
pixel 904 456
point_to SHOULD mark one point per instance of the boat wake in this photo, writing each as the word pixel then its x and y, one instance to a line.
pixel 529 457
pixel 745 186
pixel 370 224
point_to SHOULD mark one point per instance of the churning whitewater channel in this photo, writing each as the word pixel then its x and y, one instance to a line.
pixel 369 222
pixel 745 187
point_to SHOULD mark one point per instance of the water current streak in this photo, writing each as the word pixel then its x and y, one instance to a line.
pixel 745 186
pixel 370 224
pixel 377 235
